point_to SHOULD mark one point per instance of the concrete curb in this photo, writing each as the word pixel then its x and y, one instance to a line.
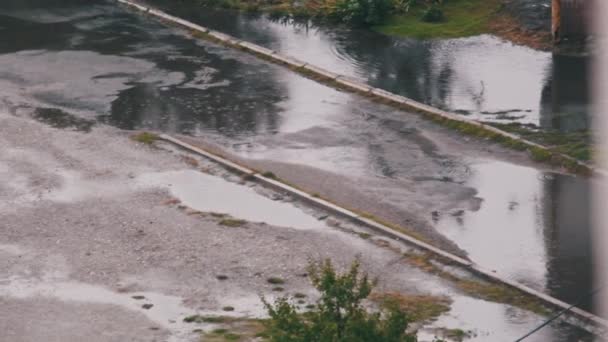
pixel 584 316
pixel 352 84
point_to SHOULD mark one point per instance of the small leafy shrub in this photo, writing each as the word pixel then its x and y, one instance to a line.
pixel 433 14
pixel 361 12
pixel 339 314
pixel 145 138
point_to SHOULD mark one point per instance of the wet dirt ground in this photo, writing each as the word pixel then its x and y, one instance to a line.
pixel 94 245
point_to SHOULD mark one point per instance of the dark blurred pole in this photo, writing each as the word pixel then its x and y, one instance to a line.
pixel 600 123
pixel 556 19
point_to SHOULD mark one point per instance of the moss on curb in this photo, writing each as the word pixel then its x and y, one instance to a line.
pixel 145 138
pixel 232 222
pixel 486 290
pixel 419 308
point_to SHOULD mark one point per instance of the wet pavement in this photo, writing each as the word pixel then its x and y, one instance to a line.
pixel 120 259
pixel 133 73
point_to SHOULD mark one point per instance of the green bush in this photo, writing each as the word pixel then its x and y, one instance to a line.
pixel 339 315
pixel 362 12
pixel 433 15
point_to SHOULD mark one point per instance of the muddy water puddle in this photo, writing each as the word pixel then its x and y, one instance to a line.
pixel 208 193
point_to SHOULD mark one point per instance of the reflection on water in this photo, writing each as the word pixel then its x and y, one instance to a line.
pixel 531 226
pixel 208 193
pixel 153 78
pixel 464 308
pixel 566 95
pixel 482 77
pixel 567 233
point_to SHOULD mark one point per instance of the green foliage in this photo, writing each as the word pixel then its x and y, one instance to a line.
pixel 433 14
pixel 231 222
pixel 577 144
pixel 339 314
pixel 269 174
pixel 145 138
pixel 461 18
pixel 362 12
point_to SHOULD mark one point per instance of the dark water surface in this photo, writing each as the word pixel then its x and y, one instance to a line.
pixel 83 61
pixel 481 77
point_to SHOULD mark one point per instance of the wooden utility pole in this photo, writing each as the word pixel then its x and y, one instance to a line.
pixel 556 19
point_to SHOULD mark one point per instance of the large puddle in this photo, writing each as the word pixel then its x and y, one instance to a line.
pixel 531 226
pixel 482 77
pixel 495 322
pixel 208 193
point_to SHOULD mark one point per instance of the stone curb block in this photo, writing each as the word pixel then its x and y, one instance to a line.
pixel 408 239
pixel 139 7
pixel 318 202
pixel 220 36
pixel 208 155
pixel 320 71
pixel 390 96
pixel 256 48
pixel 287 60
pixel 352 84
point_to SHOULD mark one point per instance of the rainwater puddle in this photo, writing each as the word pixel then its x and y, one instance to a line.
pixel 487 321
pixel 166 311
pixel 531 226
pixel 212 194
pixel 483 77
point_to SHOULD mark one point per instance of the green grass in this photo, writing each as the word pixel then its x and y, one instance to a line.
pixel 145 138
pixel 489 291
pixel 576 144
pixel 269 174
pixel 232 337
pixel 419 308
pixel 234 223
pixel 462 18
